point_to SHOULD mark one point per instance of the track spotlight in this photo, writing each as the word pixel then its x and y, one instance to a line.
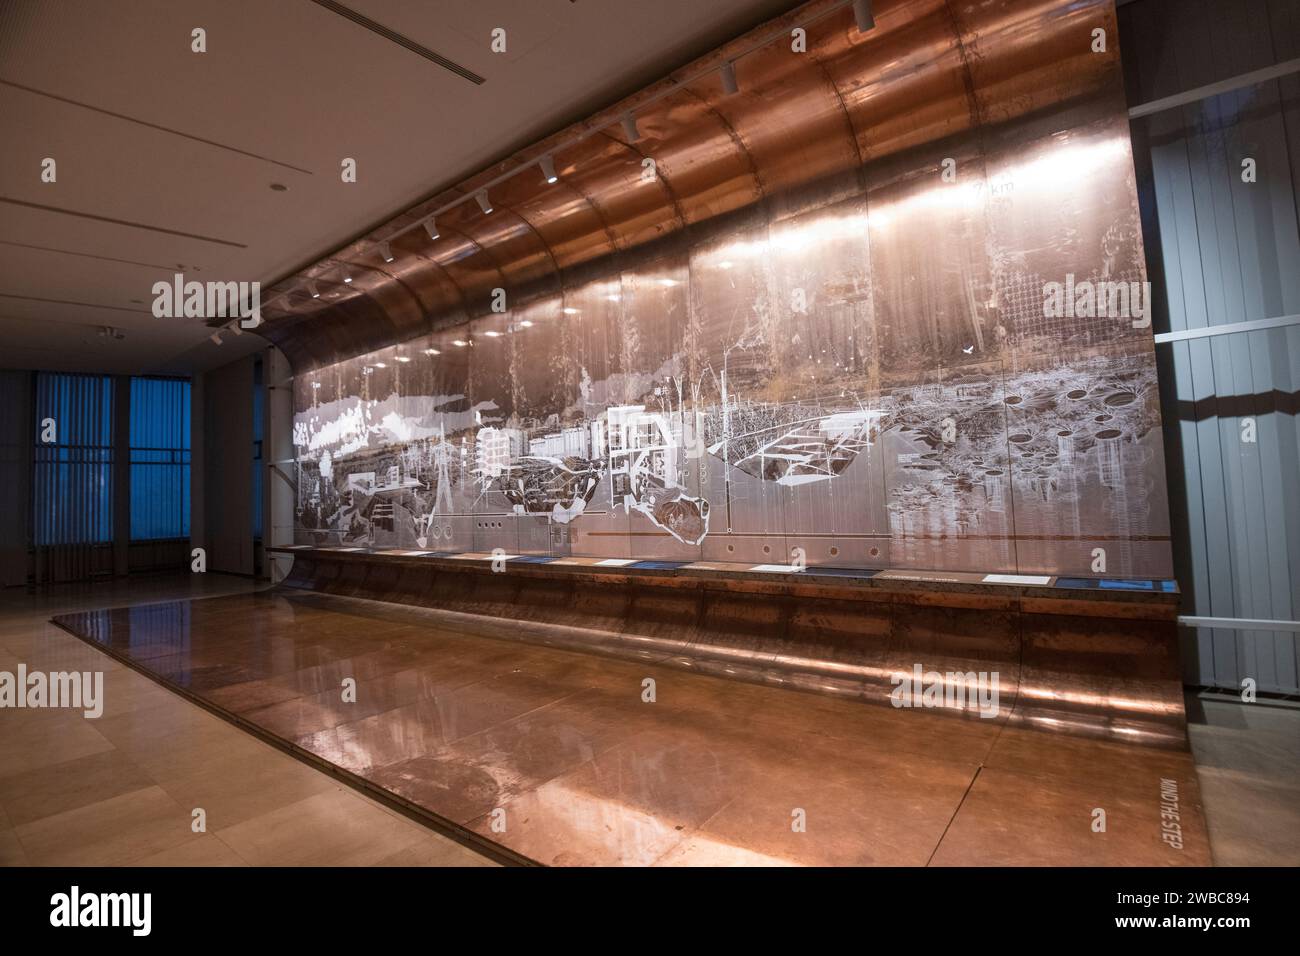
pixel 548 168
pixel 215 337
pixel 347 276
pixel 629 128
pixel 431 228
pixel 483 202
pixel 729 85
pixel 386 251
pixel 315 292
pixel 862 14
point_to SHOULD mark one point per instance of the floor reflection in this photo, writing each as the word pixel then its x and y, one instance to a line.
pixel 558 756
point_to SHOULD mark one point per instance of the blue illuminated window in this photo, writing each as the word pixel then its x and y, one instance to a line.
pixel 72 475
pixel 160 458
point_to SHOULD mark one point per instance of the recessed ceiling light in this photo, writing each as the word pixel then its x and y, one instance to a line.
pixel 279 187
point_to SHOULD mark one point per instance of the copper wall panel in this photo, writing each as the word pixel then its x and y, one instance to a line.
pixel 698 152
pixel 633 208
pixel 1027 55
pixel 903 85
pixel 814 332
pixel 567 222
pixel 779 92
pixel 515 249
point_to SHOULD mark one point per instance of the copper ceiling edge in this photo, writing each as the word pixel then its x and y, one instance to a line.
pixel 930 71
pixel 1027 55
pixel 903 87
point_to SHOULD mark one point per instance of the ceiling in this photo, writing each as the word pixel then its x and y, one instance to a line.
pixel 166 158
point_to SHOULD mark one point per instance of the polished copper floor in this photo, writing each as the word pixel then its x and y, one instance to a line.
pixel 558 757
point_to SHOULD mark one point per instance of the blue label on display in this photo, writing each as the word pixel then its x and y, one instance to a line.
pixel 1118 584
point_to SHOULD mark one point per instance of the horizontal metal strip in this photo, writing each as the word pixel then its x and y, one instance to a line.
pixel 41 207
pixel 392 36
pixel 1285 68
pixel 1256 325
pixel 1239 623
pixel 155 126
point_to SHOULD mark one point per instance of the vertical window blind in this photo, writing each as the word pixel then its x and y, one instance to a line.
pixel 160 459
pixel 72 487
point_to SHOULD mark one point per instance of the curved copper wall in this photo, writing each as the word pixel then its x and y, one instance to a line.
pixel 817 341
pixel 796 135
